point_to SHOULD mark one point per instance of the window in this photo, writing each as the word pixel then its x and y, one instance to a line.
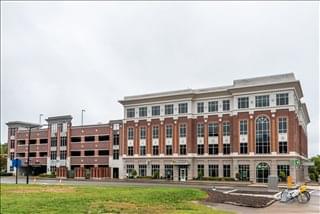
pixel 63 155
pixel 155 150
pixel 43 141
pixel 116 139
pixel 75 153
pixel 142 111
pixel 143 170
pixel 53 155
pixel 200 149
pixel 226 149
pixel 43 154
pixel 104 138
pixel 168 150
pixel 53 169
pixel 214 170
pixel 283 147
pixel 142 150
pixel 211 146
pixel 226 170
pixel 54 128
pixel 285 169
pixel 54 141
pixel 200 130
pixel 130 150
pixel 130 168
pixel 116 154
pixel 155 170
pixel 243 102
pixel 200 170
pixel 282 128
pixel 282 99
pixel 213 106
pixel 64 127
pixel 130 133
pixel 243 148
pixel 155 110
pixel 11 155
pixel 183 108
pixel 182 130
pixel 130 112
pixel 168 131
pixel 33 141
pixel 12 142
pixel 168 171
pixel 262 135
pixel 89 153
pixel 155 132
pixel 89 138
pixel 75 139
pixel 183 149
pixel 32 154
pixel 200 107
pixel 12 131
pixel 142 133
pixel 168 109
pixel 21 142
pixel 21 155
pixel 215 149
pixel 226 129
pixel 63 141
pixel 262 101
pixel 213 130
pixel 243 127
pixel 103 152
pixel 244 173
pixel 226 105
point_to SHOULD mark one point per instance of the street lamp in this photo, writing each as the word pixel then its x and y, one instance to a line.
pixel 40 115
pixel 83 110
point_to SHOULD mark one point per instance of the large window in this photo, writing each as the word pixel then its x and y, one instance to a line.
pixel 243 102
pixel 130 150
pixel 226 129
pixel 282 127
pixel 116 139
pixel 183 149
pixel 244 173
pixel 130 133
pixel 130 112
pixel 168 149
pixel 200 107
pixel 243 127
pixel 282 99
pixel 200 149
pixel 168 171
pixel 211 149
pixel 53 155
pixel 283 147
pixel 183 108
pixel 103 138
pixel 115 154
pixel 143 170
pixel 74 139
pixel 168 131
pixel 213 106
pixel 130 168
pixel 142 150
pixel 182 130
pixel 243 148
pixel 213 130
pixel 168 109
pixel 262 135
pixel 63 141
pixel 155 150
pixel 155 132
pixel 226 105
pixel 200 170
pixel 142 111
pixel 63 155
pixel 226 149
pixel 284 169
pixel 155 170
pixel 143 133
pixel 200 130
pixel 214 170
pixel 89 138
pixel 155 110
pixel 226 170
pixel 262 101
pixel 12 143
pixel 53 141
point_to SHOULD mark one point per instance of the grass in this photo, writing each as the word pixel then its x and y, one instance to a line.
pixel 101 199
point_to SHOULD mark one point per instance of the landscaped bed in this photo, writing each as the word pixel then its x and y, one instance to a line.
pixel 248 201
pixel 101 199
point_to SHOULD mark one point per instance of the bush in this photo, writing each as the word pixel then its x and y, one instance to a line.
pixel 313 176
pixel 282 176
pixel 45 175
pixel 144 177
pixel 155 175
pixel 6 174
pixel 134 173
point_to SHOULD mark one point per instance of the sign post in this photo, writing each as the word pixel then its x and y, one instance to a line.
pixel 17 164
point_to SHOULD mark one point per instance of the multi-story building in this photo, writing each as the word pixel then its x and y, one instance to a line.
pixel 252 129
pixel 249 130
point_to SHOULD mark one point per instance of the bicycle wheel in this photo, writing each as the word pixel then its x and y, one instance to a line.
pixel 303 197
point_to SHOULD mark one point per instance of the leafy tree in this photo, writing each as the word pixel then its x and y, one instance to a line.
pixel 314 171
pixel 3 156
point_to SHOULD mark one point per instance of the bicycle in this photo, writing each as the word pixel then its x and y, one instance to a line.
pixel 300 193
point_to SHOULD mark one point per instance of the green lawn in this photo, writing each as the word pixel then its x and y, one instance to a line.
pixel 100 199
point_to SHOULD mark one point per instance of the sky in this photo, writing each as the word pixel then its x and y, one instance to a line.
pixel 58 58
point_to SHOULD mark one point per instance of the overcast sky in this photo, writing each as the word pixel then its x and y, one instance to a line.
pixel 60 57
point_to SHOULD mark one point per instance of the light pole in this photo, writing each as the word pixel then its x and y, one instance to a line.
pixel 40 115
pixel 28 157
pixel 83 110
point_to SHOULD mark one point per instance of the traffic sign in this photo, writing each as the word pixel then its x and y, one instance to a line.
pixel 16 163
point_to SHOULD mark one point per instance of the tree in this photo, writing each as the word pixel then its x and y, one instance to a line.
pixel 314 171
pixel 3 156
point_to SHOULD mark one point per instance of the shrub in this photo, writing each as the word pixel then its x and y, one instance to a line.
pixel 282 176
pixel 50 175
pixel 155 175
pixel 6 173
pixel 134 173
pixel 144 177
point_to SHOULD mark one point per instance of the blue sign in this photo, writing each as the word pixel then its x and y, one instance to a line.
pixel 16 163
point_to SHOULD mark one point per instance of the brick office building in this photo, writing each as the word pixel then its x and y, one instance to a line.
pixel 252 129
pixel 256 127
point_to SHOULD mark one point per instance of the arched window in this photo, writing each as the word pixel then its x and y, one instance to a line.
pixel 262 135
pixel 262 172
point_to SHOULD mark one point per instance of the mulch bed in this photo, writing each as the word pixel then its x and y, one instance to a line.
pixel 247 201
pixel 255 192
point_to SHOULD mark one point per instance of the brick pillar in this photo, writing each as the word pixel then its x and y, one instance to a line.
pixel 220 136
pixel 162 138
pixel 235 135
pixel 273 134
pixel 175 137
pixel 251 134
pixel 190 137
pixel 136 140
pixel 149 139
pixel 206 149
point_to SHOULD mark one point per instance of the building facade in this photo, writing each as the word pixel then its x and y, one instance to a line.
pixel 249 130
